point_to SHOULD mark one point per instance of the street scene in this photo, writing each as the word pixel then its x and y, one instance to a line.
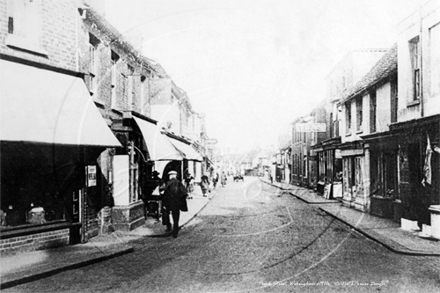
pixel 252 237
pixel 220 146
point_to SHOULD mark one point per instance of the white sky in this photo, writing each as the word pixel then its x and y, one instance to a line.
pixel 253 66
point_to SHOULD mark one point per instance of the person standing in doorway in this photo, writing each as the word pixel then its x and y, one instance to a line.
pixel 174 198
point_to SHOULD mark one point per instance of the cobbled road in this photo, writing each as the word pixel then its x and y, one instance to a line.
pixel 252 237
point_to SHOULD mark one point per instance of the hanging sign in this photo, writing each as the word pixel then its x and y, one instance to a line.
pixel 310 127
pixel 91 176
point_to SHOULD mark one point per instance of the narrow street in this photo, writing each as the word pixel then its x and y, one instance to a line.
pixel 252 237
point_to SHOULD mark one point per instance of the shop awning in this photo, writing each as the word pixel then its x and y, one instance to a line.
pixel 189 151
pixel 159 146
pixel 38 105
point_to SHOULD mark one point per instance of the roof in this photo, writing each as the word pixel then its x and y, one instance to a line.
pixel 386 66
pixel 117 39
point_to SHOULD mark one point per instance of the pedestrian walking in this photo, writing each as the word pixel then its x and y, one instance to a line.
pixel 174 201
pixel 215 179
pixel 224 179
pixel 204 184
pixel 189 184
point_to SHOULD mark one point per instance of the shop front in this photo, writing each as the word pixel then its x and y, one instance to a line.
pixel 419 169
pixel 355 185
pixel 329 168
pixel 383 173
pixel 133 165
pixel 52 138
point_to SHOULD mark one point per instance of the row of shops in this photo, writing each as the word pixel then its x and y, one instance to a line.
pixel 374 142
pixel 64 169
pixel 83 127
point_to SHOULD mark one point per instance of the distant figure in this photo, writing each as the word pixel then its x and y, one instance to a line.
pixel 224 179
pixel 174 200
pixel 189 184
pixel 204 184
pixel 215 179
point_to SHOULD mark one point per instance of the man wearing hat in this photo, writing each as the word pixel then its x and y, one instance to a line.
pixel 174 199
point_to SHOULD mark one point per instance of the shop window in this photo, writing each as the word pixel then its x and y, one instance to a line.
pixel 373 111
pixel 414 47
pixel 39 184
pixel 24 25
pixel 305 167
pixel 359 114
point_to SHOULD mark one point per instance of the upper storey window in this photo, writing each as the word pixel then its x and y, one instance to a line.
pixel 348 118
pixel 24 25
pixel 359 114
pixel 414 46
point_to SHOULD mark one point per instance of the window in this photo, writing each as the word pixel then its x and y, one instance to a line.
pixel 415 67
pixel 114 79
pixel 93 64
pixel 131 88
pixel 434 45
pixel 373 111
pixel 24 25
pixel 394 99
pixel 347 118
pixel 144 96
pixel 359 114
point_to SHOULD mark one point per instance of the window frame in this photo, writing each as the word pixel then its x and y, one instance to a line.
pixel 114 77
pixel 373 111
pixel 415 61
pixel 348 118
pixel 93 46
pixel 24 19
pixel 359 114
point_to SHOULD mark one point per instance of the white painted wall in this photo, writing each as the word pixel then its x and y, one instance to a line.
pixel 167 113
pixel 121 181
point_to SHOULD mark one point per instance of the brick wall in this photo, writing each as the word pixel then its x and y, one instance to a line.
pixel 58 34
pixel 35 241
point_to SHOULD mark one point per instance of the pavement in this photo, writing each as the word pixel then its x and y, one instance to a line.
pixel 383 231
pixel 20 268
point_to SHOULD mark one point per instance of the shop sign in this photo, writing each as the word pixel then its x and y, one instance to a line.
pixel 91 176
pixel 338 154
pixel 310 127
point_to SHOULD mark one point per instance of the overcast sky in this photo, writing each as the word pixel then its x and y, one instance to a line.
pixel 254 66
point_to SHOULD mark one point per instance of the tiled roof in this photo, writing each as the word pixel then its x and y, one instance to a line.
pixel 386 66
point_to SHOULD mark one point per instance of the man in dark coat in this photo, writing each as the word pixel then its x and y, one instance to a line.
pixel 173 197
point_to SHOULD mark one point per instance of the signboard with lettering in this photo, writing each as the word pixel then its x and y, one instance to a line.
pixel 310 127
pixel 91 176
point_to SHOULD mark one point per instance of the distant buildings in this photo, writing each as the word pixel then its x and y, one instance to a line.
pixel 380 151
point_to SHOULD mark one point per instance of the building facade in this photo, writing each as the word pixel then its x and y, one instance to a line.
pixel 51 186
pixel 418 115
pixel 368 155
